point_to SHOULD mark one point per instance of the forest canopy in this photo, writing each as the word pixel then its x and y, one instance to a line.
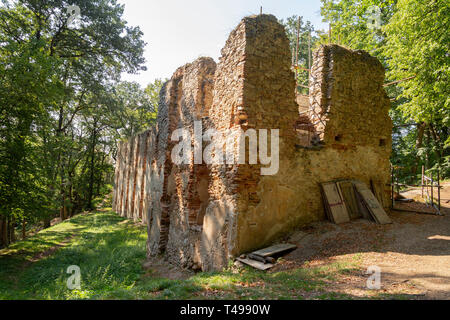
pixel 63 107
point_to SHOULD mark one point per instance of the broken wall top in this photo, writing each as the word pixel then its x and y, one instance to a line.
pixel 348 102
pixel 254 85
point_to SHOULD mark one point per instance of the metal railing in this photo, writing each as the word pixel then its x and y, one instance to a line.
pixel 428 186
pixel 428 183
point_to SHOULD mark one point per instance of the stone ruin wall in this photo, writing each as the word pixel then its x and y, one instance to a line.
pixel 188 183
pixel 202 215
pixel 266 101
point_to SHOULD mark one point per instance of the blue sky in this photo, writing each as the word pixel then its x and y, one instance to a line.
pixel 178 32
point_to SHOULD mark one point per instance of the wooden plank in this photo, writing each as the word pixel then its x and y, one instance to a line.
pixel 256 264
pixel 371 203
pixel 336 203
pixel 360 187
pixel 273 250
pixel 377 189
pixel 348 194
pixel 363 208
pixel 326 206
pixel 256 257
pixel 375 208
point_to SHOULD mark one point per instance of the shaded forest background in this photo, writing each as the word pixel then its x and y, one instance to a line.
pixel 63 107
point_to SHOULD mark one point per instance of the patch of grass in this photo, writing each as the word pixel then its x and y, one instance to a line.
pixel 109 256
pixel 110 250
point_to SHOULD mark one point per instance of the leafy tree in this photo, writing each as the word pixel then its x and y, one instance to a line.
pixel 417 45
pixel 55 82
pixel 131 108
pixel 412 44
pixel 152 90
pixel 295 25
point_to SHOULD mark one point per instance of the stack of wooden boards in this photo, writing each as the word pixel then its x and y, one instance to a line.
pixel 352 199
pixel 264 259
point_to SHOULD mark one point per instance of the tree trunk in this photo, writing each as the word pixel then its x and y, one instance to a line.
pixel 71 196
pixel 24 230
pixel 437 140
pixel 420 132
pixel 92 167
pixel 47 223
pixel 60 163
pixel 5 237
pixel 99 184
pixel 63 209
pixel 419 142
pixel 62 191
pixel 1 233
pixel 12 235
pixel 428 142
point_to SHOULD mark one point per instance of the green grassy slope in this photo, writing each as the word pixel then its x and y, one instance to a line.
pixel 110 250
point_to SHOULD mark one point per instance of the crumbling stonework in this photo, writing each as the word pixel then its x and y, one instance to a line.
pixel 201 215
pixel 347 97
pixel 188 183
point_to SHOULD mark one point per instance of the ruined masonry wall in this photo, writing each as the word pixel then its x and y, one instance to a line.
pixel 200 216
pixel 219 220
pixel 189 182
pixel 347 93
pixel 269 101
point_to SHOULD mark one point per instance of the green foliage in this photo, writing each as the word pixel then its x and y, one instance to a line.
pixel 349 24
pixel 417 43
pixel 62 106
pixel 412 42
pixel 132 109
pixel 109 255
pixel 152 91
pixel 307 39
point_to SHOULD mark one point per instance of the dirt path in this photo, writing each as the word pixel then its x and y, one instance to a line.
pixel 416 193
pixel 413 253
